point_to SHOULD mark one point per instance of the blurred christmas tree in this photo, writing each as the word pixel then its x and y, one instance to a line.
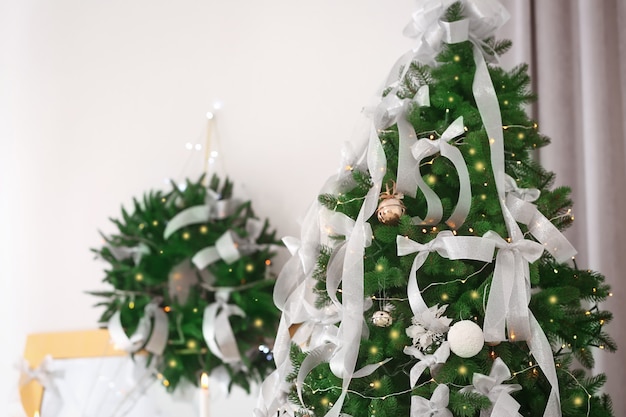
pixel 192 285
pixel 432 278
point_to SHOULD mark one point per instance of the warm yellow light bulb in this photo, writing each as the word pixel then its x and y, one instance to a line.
pixel 462 370
pixel 155 222
pixel 374 350
pixel 553 299
pixel 249 267
pixel 394 334
pixel 138 277
pixel 204 229
pixel 186 236
pixel 379 268
pixel 192 344
pixel 258 323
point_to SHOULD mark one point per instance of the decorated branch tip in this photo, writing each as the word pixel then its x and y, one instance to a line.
pixel 191 285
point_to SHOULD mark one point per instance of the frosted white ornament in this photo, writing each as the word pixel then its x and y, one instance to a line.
pixel 466 338
pixel 382 318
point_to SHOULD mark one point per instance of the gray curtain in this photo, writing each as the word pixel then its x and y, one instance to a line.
pixel 577 53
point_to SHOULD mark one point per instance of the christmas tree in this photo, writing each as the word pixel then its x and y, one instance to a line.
pixel 432 277
pixel 191 285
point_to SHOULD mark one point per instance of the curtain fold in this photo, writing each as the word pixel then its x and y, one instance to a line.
pixel 577 54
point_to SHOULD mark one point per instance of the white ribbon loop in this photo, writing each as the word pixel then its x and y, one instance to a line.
pixel 217 330
pixel 224 248
pixel 393 110
pixel 433 362
pixel 214 208
pixel 151 333
pixel 447 245
pixel 425 148
pixel 509 295
pixel 518 200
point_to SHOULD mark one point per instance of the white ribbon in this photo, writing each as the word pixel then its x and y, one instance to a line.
pixel 45 373
pixel 224 248
pixel 393 110
pixel 433 362
pixel 447 245
pixel 509 294
pixel 424 148
pixel 123 252
pixel 519 201
pixel 229 247
pixel 492 387
pixel 214 208
pixel 343 361
pixel 151 334
pixel 216 328
pixel 435 407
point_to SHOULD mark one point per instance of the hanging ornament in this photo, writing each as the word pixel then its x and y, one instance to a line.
pixel 390 208
pixel 466 338
pixel 382 318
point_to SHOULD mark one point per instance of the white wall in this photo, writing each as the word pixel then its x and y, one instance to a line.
pixel 99 98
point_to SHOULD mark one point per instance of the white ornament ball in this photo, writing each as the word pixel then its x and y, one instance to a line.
pixel 466 338
pixel 382 318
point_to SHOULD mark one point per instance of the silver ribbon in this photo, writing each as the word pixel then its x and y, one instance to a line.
pixel 447 245
pixel 425 148
pixel 509 294
pixel 435 407
pixel 492 387
pixel 180 280
pixel 216 328
pixel 214 208
pixel 519 201
pixel 45 373
pixel 124 252
pixel 433 362
pixel 393 110
pixel 321 355
pixel 229 247
pixel 343 361
pixel 151 334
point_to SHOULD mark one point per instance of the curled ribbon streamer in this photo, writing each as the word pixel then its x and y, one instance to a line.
pixel 518 200
pixel 151 333
pixel 424 148
pixel 542 352
pixel 510 289
pixel 224 249
pixel 435 407
pixel 433 362
pixel 343 361
pixel 214 208
pixel 447 245
pixel 216 328
pixel 492 387
pixel 393 110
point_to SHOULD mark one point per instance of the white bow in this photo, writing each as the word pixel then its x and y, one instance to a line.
pixel 435 407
